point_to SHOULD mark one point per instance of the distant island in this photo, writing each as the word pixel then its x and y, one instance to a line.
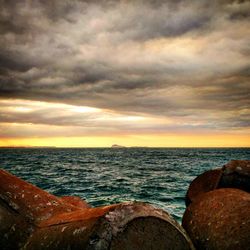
pixel 117 146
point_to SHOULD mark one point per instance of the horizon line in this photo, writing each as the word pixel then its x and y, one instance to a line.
pixel 125 147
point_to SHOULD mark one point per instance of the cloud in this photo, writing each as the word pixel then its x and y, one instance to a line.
pixel 20 118
pixel 165 59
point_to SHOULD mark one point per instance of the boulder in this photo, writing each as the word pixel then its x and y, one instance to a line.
pixel 235 174
pixel 203 183
pixel 128 226
pixel 75 201
pixel 219 219
pixel 33 219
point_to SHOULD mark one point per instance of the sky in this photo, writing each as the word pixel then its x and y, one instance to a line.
pixel 135 73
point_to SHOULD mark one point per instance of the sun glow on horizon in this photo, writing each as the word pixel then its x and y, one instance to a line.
pixel 36 123
pixel 107 73
pixel 165 140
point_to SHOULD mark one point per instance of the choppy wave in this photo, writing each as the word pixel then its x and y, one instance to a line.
pixel 159 176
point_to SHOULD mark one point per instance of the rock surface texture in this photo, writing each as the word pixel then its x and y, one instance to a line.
pixel 235 174
pixel 34 219
pixel 219 219
pixel 218 208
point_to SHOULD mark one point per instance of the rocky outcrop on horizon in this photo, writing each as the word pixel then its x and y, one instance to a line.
pixel 117 146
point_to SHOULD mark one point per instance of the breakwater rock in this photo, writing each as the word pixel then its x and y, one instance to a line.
pixel 235 174
pixel 219 219
pixel 34 219
pixel 218 208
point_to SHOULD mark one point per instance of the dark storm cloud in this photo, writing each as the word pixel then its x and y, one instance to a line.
pixel 164 58
pixel 13 61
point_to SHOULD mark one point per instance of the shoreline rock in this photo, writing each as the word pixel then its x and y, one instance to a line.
pixel 218 208
pixel 32 219
pixel 219 219
pixel 235 174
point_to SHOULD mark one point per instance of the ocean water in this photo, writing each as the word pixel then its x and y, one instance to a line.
pixel 160 176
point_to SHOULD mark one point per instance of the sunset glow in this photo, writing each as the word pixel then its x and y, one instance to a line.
pixel 164 140
pixel 128 72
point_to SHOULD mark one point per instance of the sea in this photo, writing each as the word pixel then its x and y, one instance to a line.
pixel 102 176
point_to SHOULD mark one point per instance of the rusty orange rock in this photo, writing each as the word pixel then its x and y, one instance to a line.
pixel 14 229
pixel 123 226
pixel 235 174
pixel 33 203
pixel 219 219
pixel 75 201
pixel 34 219
pixel 203 183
